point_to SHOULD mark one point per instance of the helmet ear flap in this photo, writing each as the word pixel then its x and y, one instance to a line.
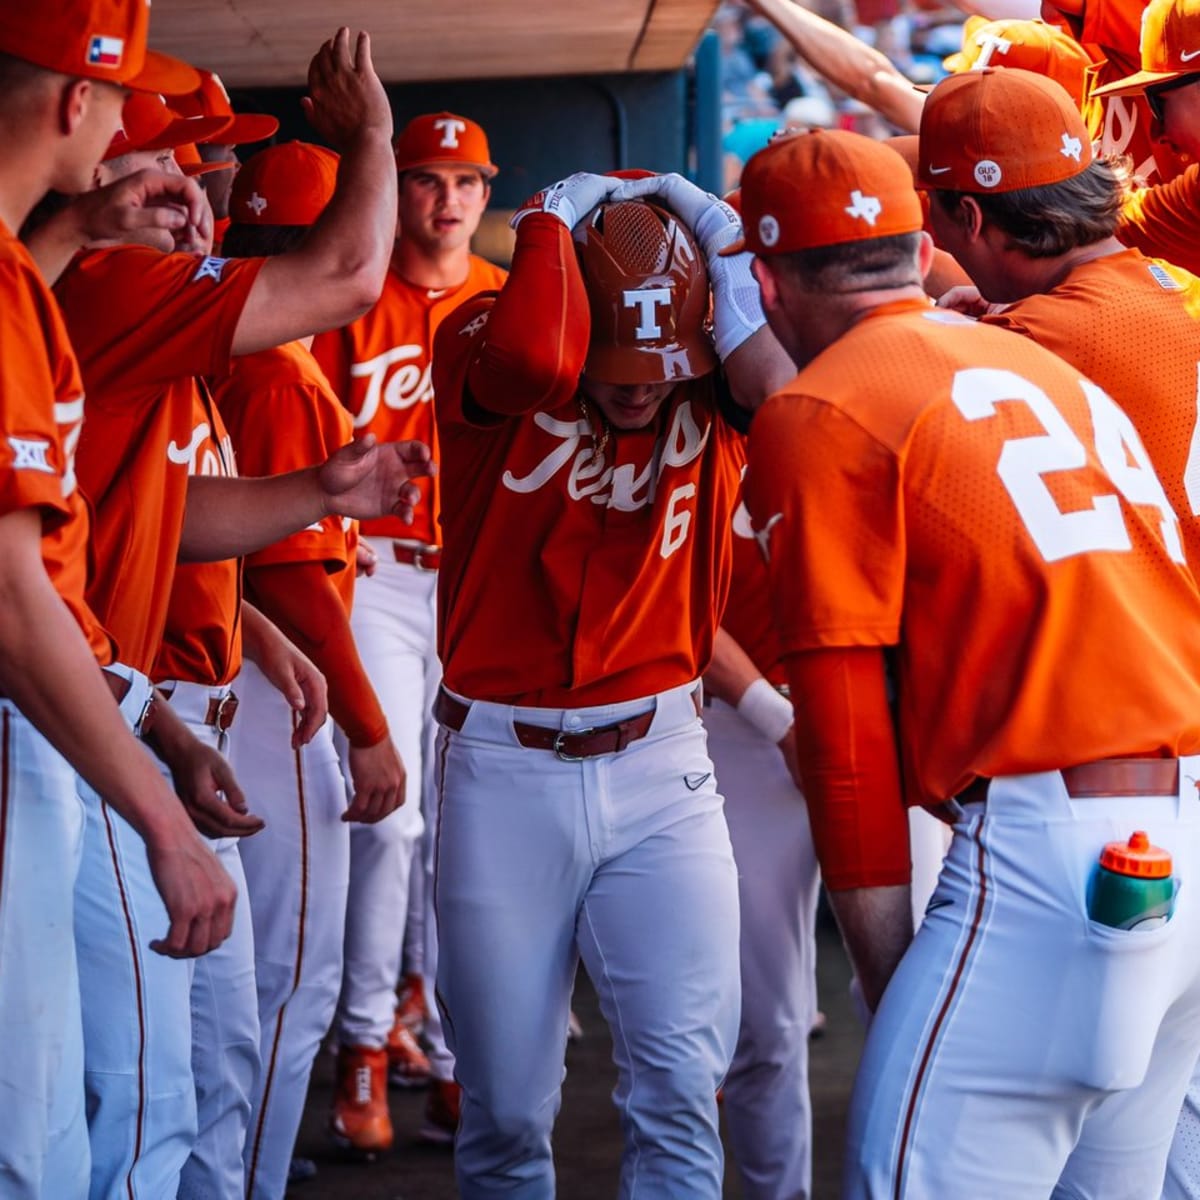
pixel 648 293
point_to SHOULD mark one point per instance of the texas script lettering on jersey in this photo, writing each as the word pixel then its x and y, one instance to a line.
pixel 201 458
pixel 624 488
pixel 409 382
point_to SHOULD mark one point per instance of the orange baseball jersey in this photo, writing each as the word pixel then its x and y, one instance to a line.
pixel 937 485
pixel 574 576
pixel 202 641
pixel 1093 317
pixel 380 368
pixel 144 324
pixel 1110 31
pixel 41 414
pixel 1164 220
pixel 282 416
pixel 748 618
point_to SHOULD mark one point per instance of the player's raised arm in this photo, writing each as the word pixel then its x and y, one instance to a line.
pixel 337 273
pixel 847 62
pixel 508 364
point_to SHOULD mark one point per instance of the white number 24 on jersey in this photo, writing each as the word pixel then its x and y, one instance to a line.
pixel 1024 461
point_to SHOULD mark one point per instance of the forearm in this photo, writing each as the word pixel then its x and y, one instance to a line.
pixel 230 518
pixel 731 670
pixel 56 240
pixel 758 369
pixel 50 674
pixel 877 927
pixel 848 759
pixel 301 598
pixel 847 62
pixel 338 271
pixel 525 364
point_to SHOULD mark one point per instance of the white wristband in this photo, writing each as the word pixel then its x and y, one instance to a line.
pixel 769 712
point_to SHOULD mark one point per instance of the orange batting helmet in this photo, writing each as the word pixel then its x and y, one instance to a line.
pixel 647 289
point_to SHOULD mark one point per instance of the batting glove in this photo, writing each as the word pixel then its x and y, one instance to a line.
pixel 737 303
pixel 570 199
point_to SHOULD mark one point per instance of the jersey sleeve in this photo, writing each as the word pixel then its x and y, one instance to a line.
pixel 38 378
pixel 183 309
pixel 282 429
pixel 1164 221
pixel 332 350
pixel 529 352
pixel 825 501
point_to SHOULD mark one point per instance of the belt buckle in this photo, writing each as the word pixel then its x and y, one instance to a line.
pixel 559 753
pixel 227 707
pixel 419 561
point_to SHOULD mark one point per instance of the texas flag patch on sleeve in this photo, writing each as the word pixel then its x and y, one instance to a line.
pixel 106 51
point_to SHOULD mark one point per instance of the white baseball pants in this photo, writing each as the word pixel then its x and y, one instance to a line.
pixel 395 627
pixel 43 1133
pixel 1021 1050
pixel 767 1108
pixel 296 877
pixel 224 1005
pixel 141 1101
pixel 621 858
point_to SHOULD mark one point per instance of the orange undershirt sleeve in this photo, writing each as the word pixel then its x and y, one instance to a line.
pixel 303 601
pixel 535 343
pixel 846 745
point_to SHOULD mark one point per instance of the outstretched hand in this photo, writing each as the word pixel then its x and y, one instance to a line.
pixel 366 479
pixel 345 96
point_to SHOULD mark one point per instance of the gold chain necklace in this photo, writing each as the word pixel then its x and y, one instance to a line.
pixel 599 444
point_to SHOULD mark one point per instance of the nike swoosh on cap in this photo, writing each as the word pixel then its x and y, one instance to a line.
pixel 939 170
pixel 1188 55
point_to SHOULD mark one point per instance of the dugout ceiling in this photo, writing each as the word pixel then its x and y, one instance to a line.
pixel 268 43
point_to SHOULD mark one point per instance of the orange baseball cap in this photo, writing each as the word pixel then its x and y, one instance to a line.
pixel 210 99
pixel 1170 46
pixel 998 131
pixel 148 124
pixel 444 138
pixel 93 39
pixel 188 159
pixel 1029 45
pixel 284 185
pixel 824 188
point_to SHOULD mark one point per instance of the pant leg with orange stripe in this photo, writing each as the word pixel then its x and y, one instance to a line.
pixel 1021 1050
pixel 297 873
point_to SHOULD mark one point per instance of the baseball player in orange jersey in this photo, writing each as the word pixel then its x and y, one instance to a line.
pixel 927 481
pixel 380 367
pixel 1083 295
pixel 181 316
pixel 588 484
pixel 752 741
pixel 298 870
pixel 61 88
pixel 219 150
pixel 1161 220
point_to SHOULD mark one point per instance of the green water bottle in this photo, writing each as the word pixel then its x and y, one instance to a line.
pixel 1132 886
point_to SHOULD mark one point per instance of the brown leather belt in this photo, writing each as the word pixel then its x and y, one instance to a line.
pixel 221 711
pixel 424 558
pixel 1106 777
pixel 571 745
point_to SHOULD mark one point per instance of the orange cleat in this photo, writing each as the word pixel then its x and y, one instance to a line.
pixel 407 1065
pixel 360 1120
pixel 410 1003
pixel 442 1111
